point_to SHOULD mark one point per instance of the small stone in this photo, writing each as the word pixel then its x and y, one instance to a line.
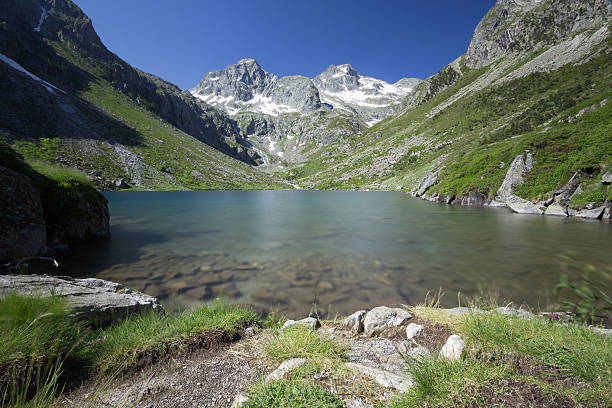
pixel 606 178
pixel 311 322
pixel 249 332
pixel 453 348
pixel 413 330
pixel 355 322
pixel 284 368
pixel 382 317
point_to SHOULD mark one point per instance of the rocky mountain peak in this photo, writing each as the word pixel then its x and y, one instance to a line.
pixel 513 26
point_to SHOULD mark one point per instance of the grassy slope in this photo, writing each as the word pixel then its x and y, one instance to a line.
pixel 167 158
pixel 476 133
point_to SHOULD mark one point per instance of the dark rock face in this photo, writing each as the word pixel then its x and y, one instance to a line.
pixel 96 301
pixel 21 217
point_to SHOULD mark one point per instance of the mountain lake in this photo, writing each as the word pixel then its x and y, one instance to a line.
pixel 288 251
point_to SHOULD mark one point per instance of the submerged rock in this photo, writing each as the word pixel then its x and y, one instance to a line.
pixel 96 301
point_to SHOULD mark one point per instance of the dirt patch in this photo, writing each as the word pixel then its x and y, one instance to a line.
pixel 210 340
pixel 200 378
pixel 515 393
pixel 434 335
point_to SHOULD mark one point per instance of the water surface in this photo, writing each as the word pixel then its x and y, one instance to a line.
pixel 288 250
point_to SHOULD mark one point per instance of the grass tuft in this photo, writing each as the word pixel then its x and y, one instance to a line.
pixel 302 342
pixel 151 334
pixel 292 394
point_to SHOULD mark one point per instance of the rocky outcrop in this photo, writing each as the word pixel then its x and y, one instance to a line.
pixel 427 182
pixel 21 217
pixel 96 301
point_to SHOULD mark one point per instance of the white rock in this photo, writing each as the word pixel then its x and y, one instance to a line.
pixel 603 332
pixel 382 317
pixel 557 210
pixel 284 368
pixel 311 322
pixel 453 348
pixel 385 378
pixel 355 322
pixel 413 330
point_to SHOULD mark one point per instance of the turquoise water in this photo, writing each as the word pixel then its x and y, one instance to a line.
pixel 288 250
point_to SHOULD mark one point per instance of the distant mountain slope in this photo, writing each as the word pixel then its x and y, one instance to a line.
pixel 537 76
pixel 104 116
pixel 288 119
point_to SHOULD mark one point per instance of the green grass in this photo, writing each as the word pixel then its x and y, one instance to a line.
pixel 584 354
pixel 119 347
pixel 439 382
pixel 301 342
pixel 37 336
pixel 292 394
pixel 494 343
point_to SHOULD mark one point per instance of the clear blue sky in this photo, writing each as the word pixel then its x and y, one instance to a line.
pixel 181 40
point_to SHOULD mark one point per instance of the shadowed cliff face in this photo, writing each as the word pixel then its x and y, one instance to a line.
pixel 62 22
pixel 38 212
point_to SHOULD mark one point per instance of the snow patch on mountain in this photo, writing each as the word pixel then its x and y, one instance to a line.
pixel 42 17
pixel 13 64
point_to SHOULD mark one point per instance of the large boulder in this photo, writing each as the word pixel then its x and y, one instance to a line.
pixel 381 318
pixel 96 301
pixel 21 217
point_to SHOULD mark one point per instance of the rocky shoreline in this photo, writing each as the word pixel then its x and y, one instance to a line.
pixel 558 204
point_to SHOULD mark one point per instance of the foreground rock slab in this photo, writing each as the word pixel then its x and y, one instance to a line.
pixel 382 317
pixel 94 300
pixel 385 378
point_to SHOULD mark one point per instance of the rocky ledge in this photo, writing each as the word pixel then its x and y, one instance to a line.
pixel 96 301
pixel 558 204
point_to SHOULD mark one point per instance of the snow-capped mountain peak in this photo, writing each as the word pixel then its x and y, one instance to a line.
pixel 245 86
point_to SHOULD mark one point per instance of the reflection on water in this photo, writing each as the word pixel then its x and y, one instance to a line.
pixel 286 250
